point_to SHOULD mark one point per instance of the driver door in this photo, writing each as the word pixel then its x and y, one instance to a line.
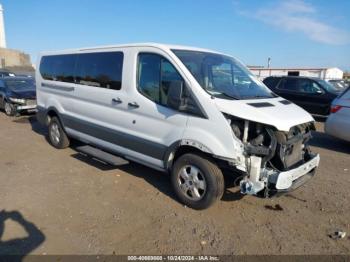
pixel 313 97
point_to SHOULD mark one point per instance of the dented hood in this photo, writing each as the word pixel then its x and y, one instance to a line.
pixel 276 112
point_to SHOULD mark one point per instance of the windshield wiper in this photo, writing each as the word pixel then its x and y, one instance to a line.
pixel 230 96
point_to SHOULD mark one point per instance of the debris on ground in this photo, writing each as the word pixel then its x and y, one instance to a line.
pixel 338 235
pixel 274 208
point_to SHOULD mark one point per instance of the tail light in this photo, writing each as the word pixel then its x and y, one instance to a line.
pixel 335 109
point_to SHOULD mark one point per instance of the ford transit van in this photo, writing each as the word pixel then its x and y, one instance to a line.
pixel 191 112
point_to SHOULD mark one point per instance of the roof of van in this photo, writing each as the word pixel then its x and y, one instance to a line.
pixel 157 45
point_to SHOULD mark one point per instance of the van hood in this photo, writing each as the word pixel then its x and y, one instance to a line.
pixel 277 112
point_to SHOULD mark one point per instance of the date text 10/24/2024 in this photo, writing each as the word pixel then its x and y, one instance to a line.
pixel 173 258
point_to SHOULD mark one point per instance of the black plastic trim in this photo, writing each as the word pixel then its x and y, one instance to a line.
pixel 262 104
pixel 127 141
pixel 285 102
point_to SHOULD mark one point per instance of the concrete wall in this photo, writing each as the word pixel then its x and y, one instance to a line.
pixel 13 58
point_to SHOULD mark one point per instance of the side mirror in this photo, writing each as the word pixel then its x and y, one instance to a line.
pixel 175 95
pixel 319 92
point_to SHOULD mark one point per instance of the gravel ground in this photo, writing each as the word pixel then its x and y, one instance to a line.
pixel 64 203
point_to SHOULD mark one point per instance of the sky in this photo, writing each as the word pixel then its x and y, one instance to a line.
pixel 293 33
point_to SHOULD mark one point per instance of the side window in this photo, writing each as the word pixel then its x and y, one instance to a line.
pixel 100 70
pixel 155 75
pixel 58 68
pixel 309 86
pixel 289 84
pixel 149 76
pixel 272 82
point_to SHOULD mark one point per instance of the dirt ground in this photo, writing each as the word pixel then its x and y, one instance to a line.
pixel 64 203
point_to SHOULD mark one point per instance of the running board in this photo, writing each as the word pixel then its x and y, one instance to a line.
pixel 102 155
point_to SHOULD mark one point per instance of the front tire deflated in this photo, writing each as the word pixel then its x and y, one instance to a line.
pixel 197 181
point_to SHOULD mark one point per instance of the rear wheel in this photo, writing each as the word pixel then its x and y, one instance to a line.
pixel 9 109
pixel 197 181
pixel 57 136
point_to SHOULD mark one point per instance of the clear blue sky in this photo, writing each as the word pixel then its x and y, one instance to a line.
pixel 293 33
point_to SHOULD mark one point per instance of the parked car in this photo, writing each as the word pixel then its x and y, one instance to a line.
pixel 312 94
pixel 187 111
pixel 338 123
pixel 17 94
pixel 340 85
pixel 4 73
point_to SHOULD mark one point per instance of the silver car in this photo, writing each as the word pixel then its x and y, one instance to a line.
pixel 338 122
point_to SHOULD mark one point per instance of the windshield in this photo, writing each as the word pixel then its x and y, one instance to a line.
pixel 340 85
pixel 222 76
pixel 20 84
pixel 326 85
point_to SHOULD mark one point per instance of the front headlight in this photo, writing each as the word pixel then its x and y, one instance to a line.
pixel 18 100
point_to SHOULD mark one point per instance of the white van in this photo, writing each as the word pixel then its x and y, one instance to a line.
pixel 192 112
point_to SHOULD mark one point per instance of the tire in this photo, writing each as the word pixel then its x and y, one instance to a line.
pixel 57 136
pixel 197 181
pixel 9 109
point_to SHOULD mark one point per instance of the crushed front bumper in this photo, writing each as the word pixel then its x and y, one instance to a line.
pixel 278 182
pixel 290 180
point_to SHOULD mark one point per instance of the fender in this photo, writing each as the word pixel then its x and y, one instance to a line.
pixel 43 113
pixel 173 148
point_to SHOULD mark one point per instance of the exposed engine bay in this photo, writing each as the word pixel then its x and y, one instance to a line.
pixel 269 152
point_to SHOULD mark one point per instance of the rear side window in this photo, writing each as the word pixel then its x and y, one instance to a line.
pixel 272 82
pixel 58 68
pixel 289 84
pixel 100 70
pixel 155 75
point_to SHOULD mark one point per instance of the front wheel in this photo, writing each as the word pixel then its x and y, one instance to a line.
pixel 10 109
pixel 197 181
pixel 57 136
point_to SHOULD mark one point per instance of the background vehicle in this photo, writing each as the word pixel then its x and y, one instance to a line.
pixel 187 111
pixel 341 85
pixel 5 73
pixel 312 94
pixel 17 94
pixel 338 123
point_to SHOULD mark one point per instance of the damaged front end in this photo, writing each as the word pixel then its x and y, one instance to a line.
pixel 275 161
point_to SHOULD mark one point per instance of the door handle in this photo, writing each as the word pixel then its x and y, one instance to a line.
pixel 117 100
pixel 134 105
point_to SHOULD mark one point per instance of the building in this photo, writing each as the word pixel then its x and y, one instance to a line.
pixel 347 76
pixel 14 60
pixel 323 73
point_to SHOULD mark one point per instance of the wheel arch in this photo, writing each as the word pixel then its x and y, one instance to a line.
pixel 52 112
pixel 182 147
